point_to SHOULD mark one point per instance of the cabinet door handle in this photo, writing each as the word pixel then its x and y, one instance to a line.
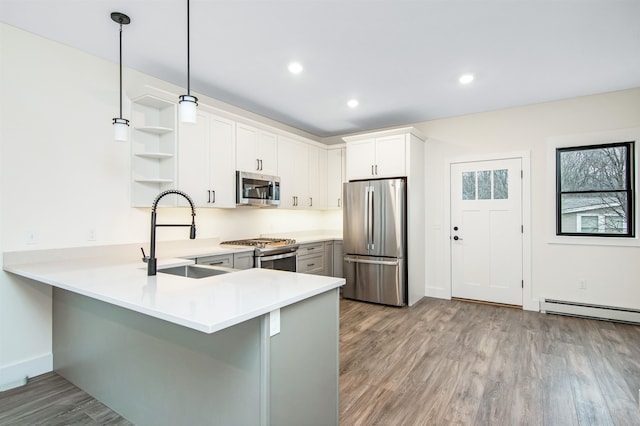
pixel 260 164
pixel 339 203
pixel 372 169
pixel 257 164
pixel 376 169
pixel 208 195
pixel 214 196
pixel 217 263
pixel 310 265
pixel 311 248
pixel 310 201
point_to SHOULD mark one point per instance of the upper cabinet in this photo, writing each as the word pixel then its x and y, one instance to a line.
pixel 336 176
pixel 153 148
pixel 206 160
pixel 317 172
pixel 294 176
pixel 376 157
pixel 302 168
pixel 256 150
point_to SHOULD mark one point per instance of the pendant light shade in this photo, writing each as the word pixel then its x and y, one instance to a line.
pixel 120 125
pixel 188 103
pixel 188 108
pixel 120 129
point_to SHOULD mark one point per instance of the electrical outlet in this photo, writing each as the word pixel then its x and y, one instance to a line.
pixel 91 234
pixel 31 237
pixel 582 284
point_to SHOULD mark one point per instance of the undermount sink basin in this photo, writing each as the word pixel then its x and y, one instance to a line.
pixel 195 271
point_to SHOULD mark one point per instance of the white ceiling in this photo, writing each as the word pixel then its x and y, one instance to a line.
pixel 401 59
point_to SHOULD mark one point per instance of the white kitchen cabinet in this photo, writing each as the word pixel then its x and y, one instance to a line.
pixel 206 167
pixel 302 168
pixel 293 172
pixel 256 150
pixel 379 157
pixel 153 149
pixel 335 177
pixel 317 175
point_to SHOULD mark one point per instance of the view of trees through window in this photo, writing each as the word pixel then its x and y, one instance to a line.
pixel 594 190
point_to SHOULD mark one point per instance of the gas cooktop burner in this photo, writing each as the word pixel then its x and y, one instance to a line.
pixel 262 242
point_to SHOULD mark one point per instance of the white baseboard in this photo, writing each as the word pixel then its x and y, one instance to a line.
pixel 531 305
pixel 438 293
pixel 14 375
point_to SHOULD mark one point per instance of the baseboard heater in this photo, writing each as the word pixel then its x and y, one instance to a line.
pixel 585 310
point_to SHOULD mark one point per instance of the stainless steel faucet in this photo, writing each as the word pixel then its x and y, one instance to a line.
pixel 151 260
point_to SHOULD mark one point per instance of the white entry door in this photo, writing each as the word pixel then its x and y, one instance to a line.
pixel 486 231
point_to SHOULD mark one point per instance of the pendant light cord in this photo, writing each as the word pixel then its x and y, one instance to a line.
pixel 120 68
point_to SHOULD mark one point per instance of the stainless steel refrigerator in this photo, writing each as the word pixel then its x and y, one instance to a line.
pixel 375 234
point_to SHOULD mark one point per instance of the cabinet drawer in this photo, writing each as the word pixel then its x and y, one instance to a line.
pixel 219 260
pixel 311 263
pixel 308 249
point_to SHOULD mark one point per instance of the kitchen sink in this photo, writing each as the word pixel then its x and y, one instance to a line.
pixel 196 271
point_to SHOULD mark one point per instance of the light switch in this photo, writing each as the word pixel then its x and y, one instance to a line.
pixel 274 322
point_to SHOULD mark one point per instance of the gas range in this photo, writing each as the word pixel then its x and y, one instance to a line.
pixel 267 246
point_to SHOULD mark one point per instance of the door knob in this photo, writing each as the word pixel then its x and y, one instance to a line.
pixel 455 228
pixel 457 238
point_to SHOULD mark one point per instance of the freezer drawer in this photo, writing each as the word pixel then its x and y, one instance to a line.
pixel 375 279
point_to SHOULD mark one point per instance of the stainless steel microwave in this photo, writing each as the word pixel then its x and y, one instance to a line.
pixel 254 189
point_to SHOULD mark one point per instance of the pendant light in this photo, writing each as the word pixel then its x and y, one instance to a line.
pixel 120 125
pixel 188 103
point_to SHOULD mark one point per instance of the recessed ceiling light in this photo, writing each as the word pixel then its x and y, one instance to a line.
pixel 466 78
pixel 353 103
pixel 295 67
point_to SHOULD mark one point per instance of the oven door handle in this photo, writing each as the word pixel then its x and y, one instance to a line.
pixel 278 256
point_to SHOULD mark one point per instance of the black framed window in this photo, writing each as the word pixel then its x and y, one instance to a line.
pixel 594 190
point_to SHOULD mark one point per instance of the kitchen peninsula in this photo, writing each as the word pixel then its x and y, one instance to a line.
pixel 253 347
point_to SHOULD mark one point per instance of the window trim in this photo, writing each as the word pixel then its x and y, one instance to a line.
pixel 629 190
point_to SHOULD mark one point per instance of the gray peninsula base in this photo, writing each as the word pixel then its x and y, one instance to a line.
pixel 154 372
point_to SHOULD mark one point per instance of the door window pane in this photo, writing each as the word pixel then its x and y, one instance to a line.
pixel 468 185
pixel 501 184
pixel 484 185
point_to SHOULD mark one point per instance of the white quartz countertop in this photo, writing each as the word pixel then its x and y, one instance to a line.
pixel 206 304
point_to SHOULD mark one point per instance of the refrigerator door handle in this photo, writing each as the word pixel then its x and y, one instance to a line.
pixel 366 214
pixel 372 262
pixel 371 219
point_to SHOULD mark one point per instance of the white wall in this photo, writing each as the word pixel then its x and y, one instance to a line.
pixel 611 272
pixel 62 174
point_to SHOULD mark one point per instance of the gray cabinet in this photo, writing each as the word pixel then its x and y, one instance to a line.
pixel 304 363
pixel 243 260
pixel 311 258
pixel 225 260
pixel 338 261
pixel 328 259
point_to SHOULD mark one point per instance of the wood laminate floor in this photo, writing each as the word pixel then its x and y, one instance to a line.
pixel 439 362
pixel 445 362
